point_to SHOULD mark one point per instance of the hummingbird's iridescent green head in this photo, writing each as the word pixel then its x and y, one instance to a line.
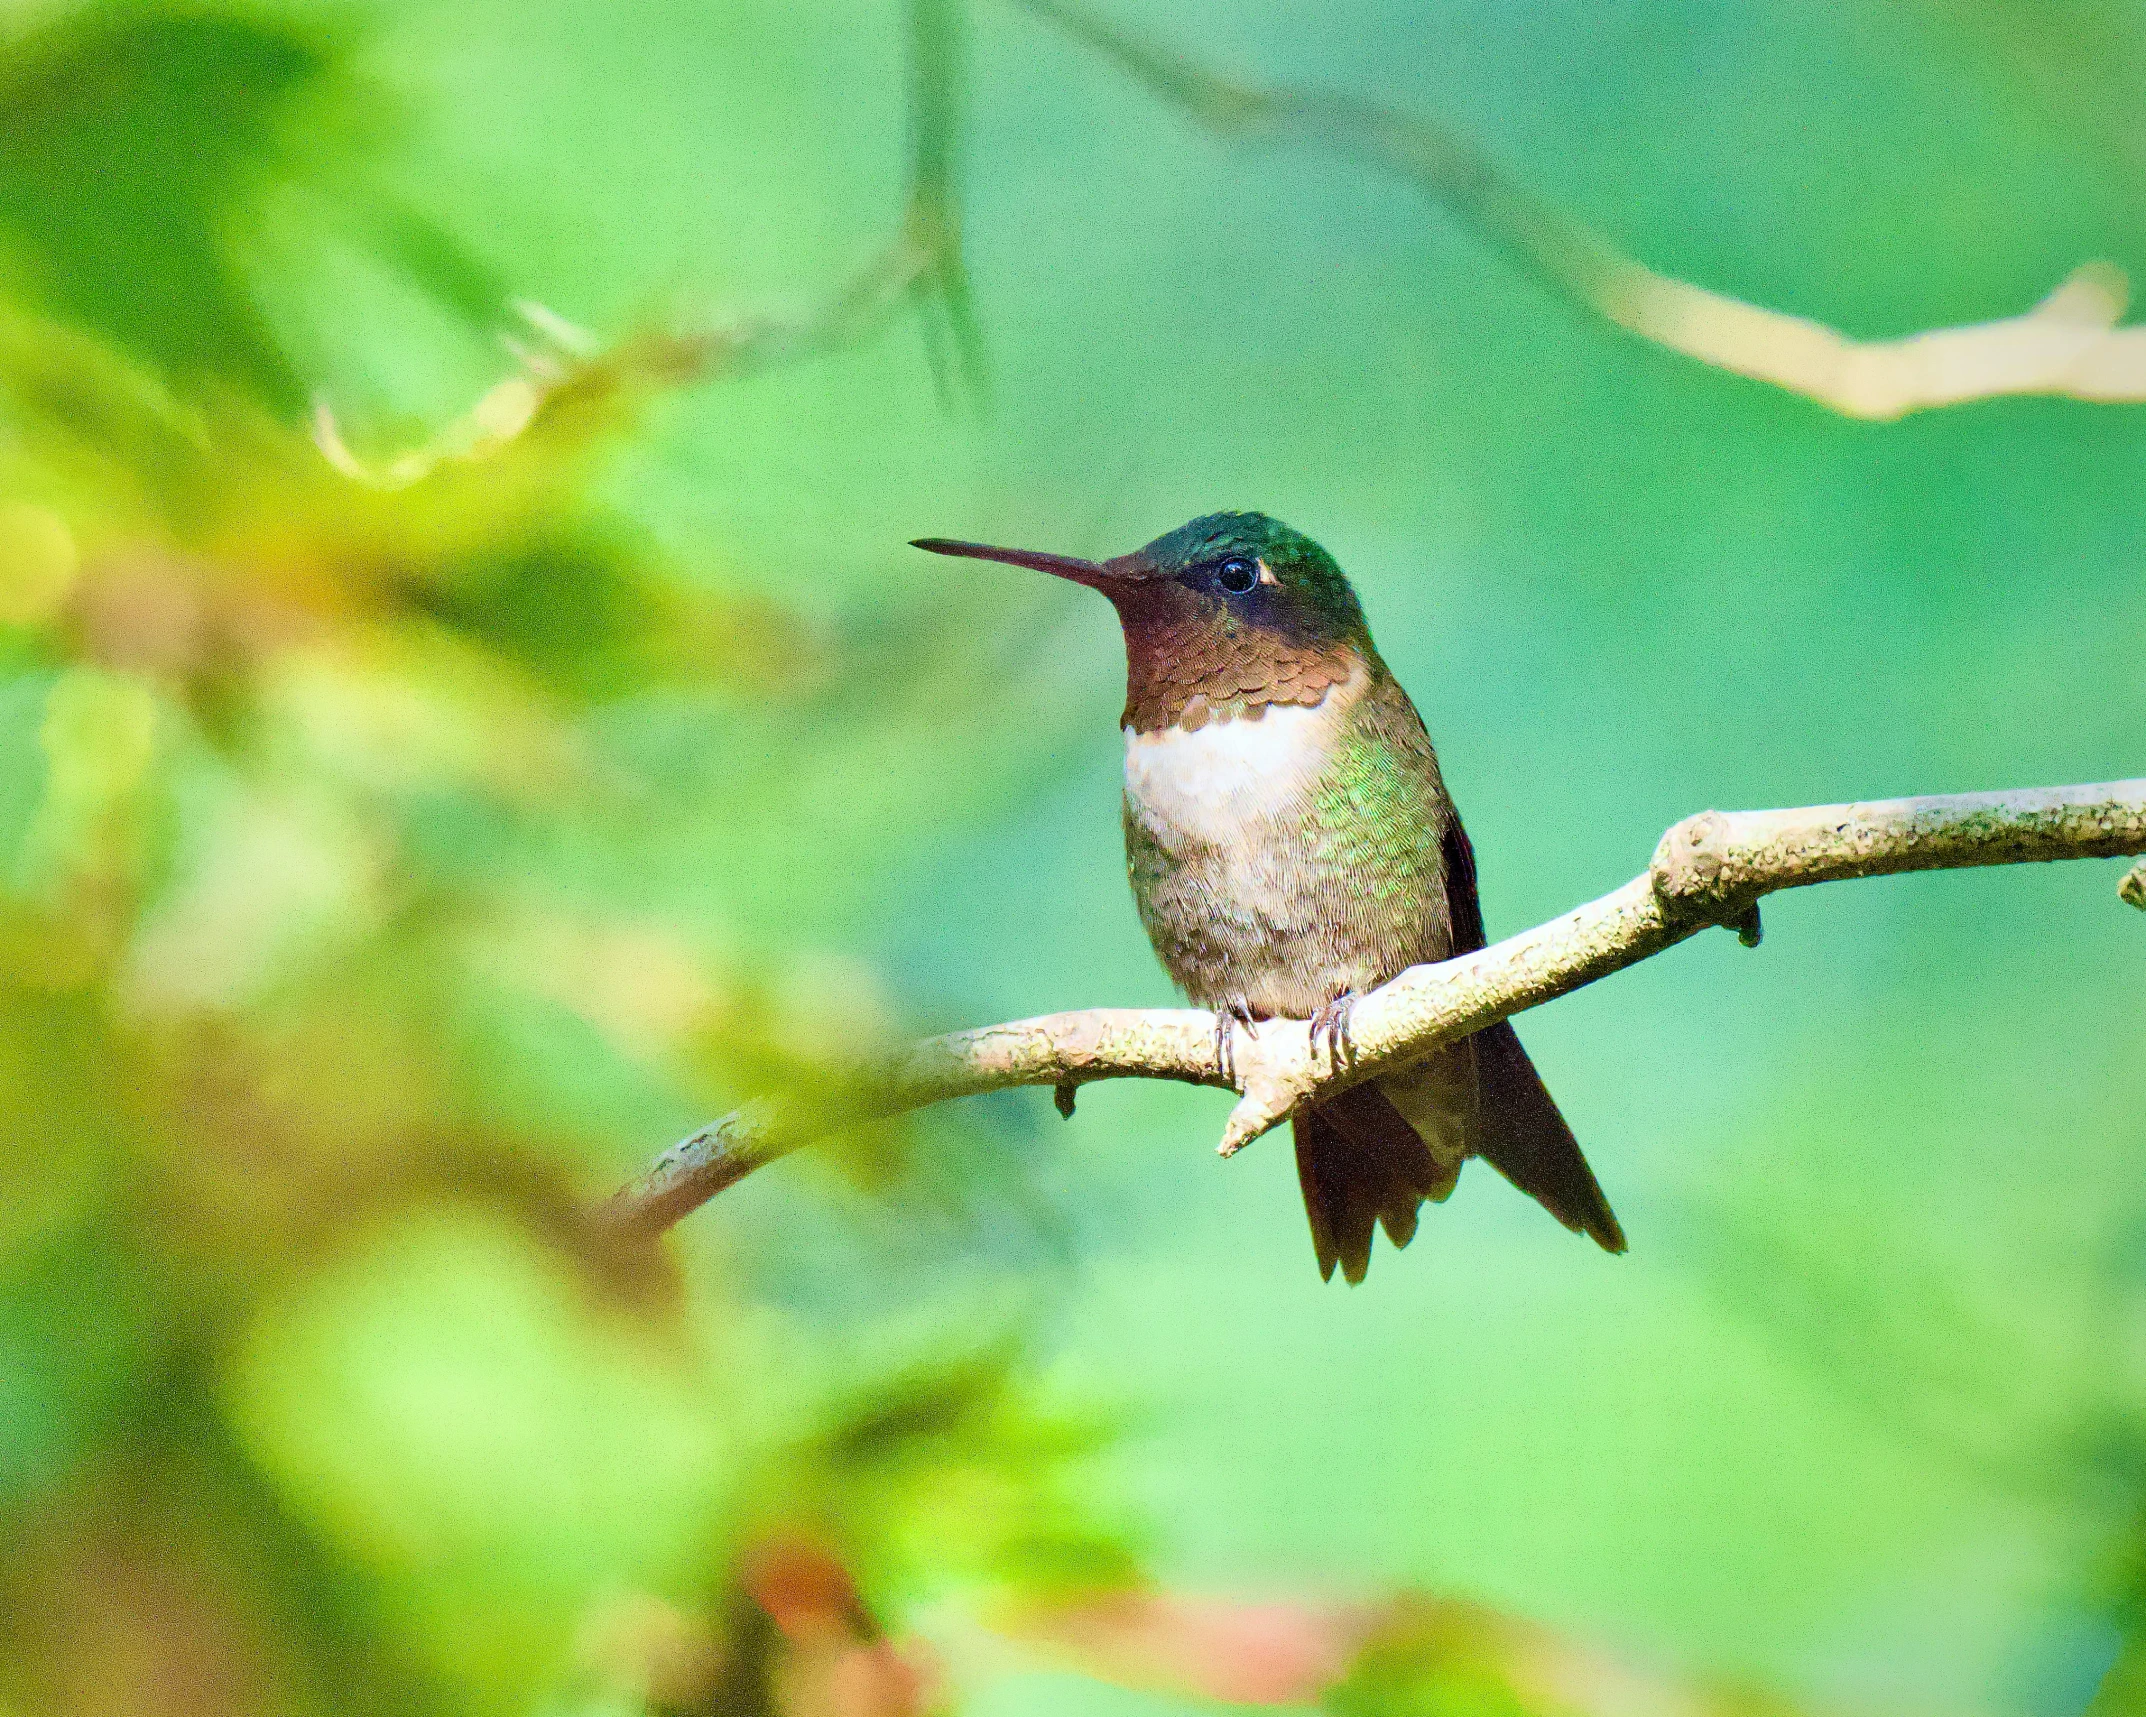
pixel 1246 570
pixel 1225 615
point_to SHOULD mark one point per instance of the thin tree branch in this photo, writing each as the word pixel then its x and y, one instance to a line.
pixel 558 364
pixel 1709 869
pixel 2068 345
pixel 937 62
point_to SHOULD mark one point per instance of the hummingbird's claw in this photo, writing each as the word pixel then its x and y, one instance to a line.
pixel 1227 1018
pixel 1333 1022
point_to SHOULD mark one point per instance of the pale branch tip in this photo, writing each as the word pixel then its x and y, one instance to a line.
pixel 1711 869
pixel 2070 345
pixel 2132 890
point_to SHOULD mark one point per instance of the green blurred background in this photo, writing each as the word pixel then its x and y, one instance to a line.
pixel 393 858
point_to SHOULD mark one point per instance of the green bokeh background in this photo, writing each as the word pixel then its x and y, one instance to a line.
pixel 1861 1418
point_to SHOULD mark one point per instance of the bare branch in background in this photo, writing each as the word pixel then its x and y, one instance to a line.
pixel 1709 869
pixel 558 363
pixel 2133 887
pixel 933 221
pixel 2069 345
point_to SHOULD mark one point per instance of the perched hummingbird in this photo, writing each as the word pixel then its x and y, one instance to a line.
pixel 1291 844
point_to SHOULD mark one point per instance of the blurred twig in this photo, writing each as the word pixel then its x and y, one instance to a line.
pixel 2133 888
pixel 559 364
pixel 1709 869
pixel 933 220
pixel 2068 345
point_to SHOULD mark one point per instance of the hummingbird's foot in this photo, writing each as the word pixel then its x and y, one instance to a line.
pixel 1227 1018
pixel 1332 1022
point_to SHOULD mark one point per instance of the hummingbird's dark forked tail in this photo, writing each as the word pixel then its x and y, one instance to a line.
pixel 1522 1136
pixel 1359 1164
pixel 1362 1165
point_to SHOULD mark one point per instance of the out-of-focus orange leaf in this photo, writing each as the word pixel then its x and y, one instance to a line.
pixel 833 1660
pixel 1278 1652
pixel 1408 1654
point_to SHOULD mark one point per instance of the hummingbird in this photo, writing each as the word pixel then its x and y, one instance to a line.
pixel 1291 844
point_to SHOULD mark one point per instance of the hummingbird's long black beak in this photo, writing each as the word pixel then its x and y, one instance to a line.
pixel 1080 571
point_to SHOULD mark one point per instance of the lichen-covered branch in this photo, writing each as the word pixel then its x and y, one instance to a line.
pixel 1710 869
pixel 2068 345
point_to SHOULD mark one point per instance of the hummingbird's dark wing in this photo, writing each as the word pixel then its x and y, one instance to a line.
pixel 1464 909
pixel 1362 1155
pixel 1519 1131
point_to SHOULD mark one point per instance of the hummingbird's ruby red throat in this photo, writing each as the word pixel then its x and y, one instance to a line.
pixel 1292 844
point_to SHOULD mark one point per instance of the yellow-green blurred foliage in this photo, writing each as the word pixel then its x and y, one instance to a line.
pixel 328 1010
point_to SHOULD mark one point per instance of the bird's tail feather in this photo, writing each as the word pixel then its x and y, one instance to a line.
pixel 1522 1136
pixel 1362 1164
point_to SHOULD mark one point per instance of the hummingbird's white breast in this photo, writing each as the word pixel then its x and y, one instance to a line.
pixel 1261 881
pixel 1206 785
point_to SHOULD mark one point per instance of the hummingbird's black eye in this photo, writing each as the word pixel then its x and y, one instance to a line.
pixel 1237 575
